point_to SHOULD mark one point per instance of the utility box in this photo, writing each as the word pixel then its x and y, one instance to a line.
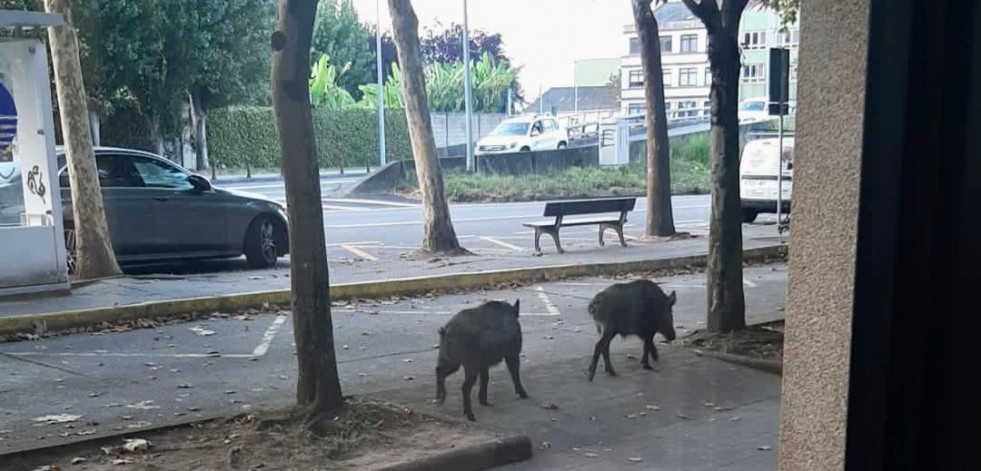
pixel 32 239
pixel 614 141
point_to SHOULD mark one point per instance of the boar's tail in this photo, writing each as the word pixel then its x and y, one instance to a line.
pixel 442 331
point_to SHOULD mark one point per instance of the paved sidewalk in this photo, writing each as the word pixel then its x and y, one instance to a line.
pixel 709 414
pixel 231 277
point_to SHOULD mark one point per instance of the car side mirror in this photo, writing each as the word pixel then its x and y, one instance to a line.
pixel 199 183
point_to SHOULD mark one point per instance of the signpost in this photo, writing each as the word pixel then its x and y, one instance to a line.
pixel 779 91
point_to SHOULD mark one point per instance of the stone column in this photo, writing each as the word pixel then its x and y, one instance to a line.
pixel 828 149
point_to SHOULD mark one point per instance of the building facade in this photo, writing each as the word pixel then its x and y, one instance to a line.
pixel 684 61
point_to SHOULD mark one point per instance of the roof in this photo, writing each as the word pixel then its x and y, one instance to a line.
pixel 563 99
pixel 671 12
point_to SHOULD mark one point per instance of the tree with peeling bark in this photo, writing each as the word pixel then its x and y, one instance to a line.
pixel 438 233
pixel 318 389
pixel 724 285
pixel 93 255
pixel 660 219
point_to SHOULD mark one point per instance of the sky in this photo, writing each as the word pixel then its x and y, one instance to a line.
pixel 545 37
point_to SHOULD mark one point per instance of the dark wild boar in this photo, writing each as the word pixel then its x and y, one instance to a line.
pixel 638 308
pixel 479 338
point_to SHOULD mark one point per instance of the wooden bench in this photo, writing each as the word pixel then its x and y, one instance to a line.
pixel 560 209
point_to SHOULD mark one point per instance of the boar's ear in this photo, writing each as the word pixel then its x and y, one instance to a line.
pixel 672 298
pixel 517 306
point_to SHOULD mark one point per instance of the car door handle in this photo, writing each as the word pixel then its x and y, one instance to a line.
pixel 162 198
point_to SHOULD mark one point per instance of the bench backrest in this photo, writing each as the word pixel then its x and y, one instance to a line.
pixel 594 206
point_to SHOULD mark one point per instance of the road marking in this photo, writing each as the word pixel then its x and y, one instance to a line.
pixel 549 306
pixel 749 284
pixel 419 223
pixel 367 242
pixel 360 253
pixel 427 311
pixel 374 202
pixel 270 334
pixel 502 243
pixel 343 208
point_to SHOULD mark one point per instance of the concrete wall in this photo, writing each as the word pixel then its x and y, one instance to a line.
pixel 538 162
pixel 823 234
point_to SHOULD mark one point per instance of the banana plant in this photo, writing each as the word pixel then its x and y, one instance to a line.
pixel 324 91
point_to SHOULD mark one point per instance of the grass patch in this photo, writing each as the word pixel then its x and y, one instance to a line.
pixel 689 174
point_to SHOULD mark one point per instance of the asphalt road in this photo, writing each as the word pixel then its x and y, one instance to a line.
pixel 398 223
pixel 108 382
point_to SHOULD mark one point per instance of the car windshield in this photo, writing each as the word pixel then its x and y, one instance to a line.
pixel 7 171
pixel 752 106
pixel 510 129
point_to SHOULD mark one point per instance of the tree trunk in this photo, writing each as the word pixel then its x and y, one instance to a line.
pixel 438 234
pixel 156 138
pixel 199 122
pixel 95 256
pixel 726 305
pixel 318 388
pixel 660 219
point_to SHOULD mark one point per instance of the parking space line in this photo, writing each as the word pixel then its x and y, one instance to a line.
pixel 374 202
pixel 501 243
pixel 343 208
pixel 426 311
pixel 367 242
pixel 270 334
pixel 360 253
pixel 133 355
pixel 549 306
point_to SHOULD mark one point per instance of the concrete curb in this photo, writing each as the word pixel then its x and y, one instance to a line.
pixel 55 321
pixel 766 366
pixel 473 458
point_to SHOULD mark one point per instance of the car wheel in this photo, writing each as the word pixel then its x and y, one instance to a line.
pixel 260 243
pixel 749 215
pixel 525 149
pixel 562 145
pixel 71 251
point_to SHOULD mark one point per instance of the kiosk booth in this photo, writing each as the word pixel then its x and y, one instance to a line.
pixel 32 238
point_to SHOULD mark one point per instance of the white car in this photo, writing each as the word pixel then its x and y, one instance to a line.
pixel 758 169
pixel 753 110
pixel 524 133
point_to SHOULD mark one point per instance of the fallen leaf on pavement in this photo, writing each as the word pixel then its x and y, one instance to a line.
pixel 143 405
pixel 408 378
pixel 590 455
pixel 764 448
pixel 78 460
pixel 136 444
pixel 56 419
pixel 545 445
pixel 635 459
pixel 653 407
pixel 86 432
pixel 548 405
pixel 122 461
pixel 184 386
pixel 198 330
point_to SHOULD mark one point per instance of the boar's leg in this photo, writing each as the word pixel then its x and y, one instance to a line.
pixel 602 348
pixel 649 351
pixel 470 377
pixel 482 393
pixel 442 371
pixel 514 363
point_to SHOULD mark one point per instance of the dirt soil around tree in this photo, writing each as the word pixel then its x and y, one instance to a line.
pixel 761 342
pixel 364 435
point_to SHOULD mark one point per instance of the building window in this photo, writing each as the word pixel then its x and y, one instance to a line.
pixel 634 46
pixel 635 79
pixel 788 38
pixel 689 43
pixel 754 40
pixel 706 108
pixel 793 71
pixel 754 73
pixel 635 109
pixel 687 109
pixel 666 75
pixel 688 77
pixel 708 77
pixel 665 44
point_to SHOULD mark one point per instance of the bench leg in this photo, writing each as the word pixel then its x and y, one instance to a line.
pixel 619 229
pixel 602 229
pixel 538 238
pixel 555 236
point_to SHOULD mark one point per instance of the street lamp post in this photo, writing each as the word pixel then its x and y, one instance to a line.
pixel 381 81
pixel 467 91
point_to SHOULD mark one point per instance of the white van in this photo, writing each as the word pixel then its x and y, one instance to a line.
pixel 758 169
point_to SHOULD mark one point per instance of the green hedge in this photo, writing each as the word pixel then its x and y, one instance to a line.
pixel 247 136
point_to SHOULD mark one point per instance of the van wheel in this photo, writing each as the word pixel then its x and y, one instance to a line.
pixel 525 149
pixel 562 145
pixel 260 243
pixel 749 215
